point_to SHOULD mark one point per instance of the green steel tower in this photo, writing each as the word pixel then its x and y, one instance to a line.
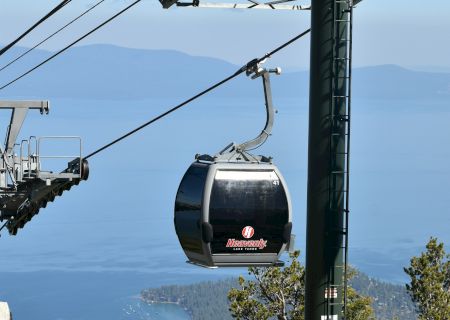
pixel 328 159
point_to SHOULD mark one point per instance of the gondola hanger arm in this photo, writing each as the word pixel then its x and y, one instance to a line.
pixel 255 72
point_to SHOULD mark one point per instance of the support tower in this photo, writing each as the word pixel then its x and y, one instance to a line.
pixel 328 159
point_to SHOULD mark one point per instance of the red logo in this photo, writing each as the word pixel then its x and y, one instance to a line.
pixel 248 232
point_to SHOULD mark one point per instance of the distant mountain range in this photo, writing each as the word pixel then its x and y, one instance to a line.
pixel 111 72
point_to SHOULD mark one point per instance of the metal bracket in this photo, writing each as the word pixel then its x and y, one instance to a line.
pixel 19 113
pixel 251 4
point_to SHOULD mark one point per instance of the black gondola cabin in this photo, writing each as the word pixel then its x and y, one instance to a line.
pixel 234 209
pixel 233 214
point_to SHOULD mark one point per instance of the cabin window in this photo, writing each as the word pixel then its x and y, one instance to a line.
pixel 188 208
pixel 255 199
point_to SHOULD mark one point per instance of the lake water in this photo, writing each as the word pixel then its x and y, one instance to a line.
pixel 90 253
pixel 81 295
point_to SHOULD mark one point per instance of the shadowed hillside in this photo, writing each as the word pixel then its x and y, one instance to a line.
pixel 208 300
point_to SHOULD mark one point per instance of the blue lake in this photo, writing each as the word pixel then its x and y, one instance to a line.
pixel 83 295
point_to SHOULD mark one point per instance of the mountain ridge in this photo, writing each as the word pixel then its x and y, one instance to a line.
pixel 110 72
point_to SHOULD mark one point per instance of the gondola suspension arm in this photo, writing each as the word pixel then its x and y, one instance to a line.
pixel 257 72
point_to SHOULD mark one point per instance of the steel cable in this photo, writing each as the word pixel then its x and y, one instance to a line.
pixel 48 15
pixel 70 45
pixel 51 36
pixel 218 84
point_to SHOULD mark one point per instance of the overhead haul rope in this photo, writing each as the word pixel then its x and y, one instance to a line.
pixel 51 36
pixel 48 15
pixel 238 72
pixel 2 227
pixel 70 45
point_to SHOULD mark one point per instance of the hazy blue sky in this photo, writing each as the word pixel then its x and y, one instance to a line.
pixel 404 32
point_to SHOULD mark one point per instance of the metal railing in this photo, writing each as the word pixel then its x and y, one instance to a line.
pixel 22 160
pixel 46 175
pixel 29 163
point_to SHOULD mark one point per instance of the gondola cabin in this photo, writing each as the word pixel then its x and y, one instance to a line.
pixel 233 214
pixel 234 209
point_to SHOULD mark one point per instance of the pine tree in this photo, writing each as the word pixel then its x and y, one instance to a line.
pixel 430 282
pixel 279 293
pixel 358 307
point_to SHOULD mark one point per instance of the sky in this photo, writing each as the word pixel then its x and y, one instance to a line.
pixel 402 32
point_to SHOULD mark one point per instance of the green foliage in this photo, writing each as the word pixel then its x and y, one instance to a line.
pixel 280 293
pixel 208 300
pixel 430 282
pixel 358 307
pixel 276 292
